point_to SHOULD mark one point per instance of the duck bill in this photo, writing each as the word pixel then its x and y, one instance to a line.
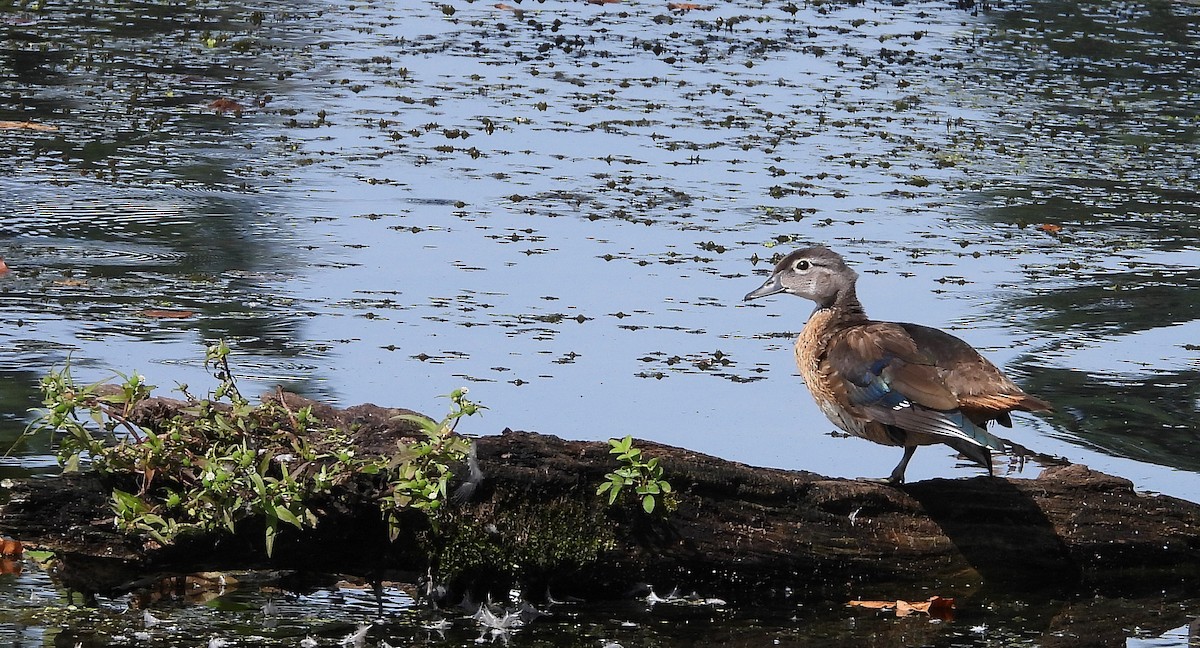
pixel 770 287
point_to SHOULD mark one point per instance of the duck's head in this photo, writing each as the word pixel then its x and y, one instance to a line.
pixel 815 273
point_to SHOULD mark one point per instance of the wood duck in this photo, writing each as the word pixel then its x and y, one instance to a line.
pixel 896 384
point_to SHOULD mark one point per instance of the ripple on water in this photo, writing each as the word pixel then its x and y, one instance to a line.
pixel 51 251
pixel 556 184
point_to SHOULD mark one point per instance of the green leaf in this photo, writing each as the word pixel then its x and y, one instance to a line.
pixel 427 424
pixel 259 485
pixel 113 399
pixel 393 522
pixel 154 533
pixel 265 464
pixel 289 517
pixel 272 531
pixel 648 503
pixel 128 502
pixel 621 446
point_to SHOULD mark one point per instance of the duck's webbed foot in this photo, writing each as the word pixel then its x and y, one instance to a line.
pixel 897 476
pixel 890 480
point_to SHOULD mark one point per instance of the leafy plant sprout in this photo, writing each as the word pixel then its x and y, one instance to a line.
pixel 223 460
pixel 644 477
pixel 423 470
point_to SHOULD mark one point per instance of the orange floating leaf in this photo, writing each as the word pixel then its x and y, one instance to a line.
pixel 26 125
pixel 687 6
pixel 225 104
pixel 936 606
pixel 3 267
pixel 10 547
pixel 873 605
pixel 1050 228
pixel 9 567
pixel 941 608
pixel 165 313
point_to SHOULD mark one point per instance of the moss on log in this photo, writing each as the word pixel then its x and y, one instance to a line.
pixel 534 521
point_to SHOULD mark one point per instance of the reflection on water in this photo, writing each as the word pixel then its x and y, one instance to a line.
pixel 132 196
pixel 97 267
pixel 267 611
pixel 1130 389
pixel 1105 92
pixel 561 204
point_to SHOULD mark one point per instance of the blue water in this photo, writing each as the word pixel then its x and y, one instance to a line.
pixel 562 209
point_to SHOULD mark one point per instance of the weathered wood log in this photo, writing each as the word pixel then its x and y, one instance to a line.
pixel 535 521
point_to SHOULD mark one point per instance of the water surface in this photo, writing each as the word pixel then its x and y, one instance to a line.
pixel 560 205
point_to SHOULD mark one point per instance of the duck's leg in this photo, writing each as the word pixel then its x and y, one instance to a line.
pixel 897 476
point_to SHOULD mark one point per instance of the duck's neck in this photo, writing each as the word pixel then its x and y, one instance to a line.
pixel 844 308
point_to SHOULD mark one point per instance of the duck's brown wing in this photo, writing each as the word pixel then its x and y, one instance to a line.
pixel 982 391
pixel 881 374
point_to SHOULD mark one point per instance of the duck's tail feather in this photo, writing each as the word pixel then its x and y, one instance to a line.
pixel 977 453
pixel 976 443
pixel 977 433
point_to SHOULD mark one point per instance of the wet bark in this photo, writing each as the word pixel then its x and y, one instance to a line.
pixel 737 532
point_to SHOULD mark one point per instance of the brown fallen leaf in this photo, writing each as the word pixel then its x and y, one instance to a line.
pixel 936 606
pixel 873 605
pixel 225 104
pixel 10 547
pixel 165 313
pixel 9 567
pixel 3 267
pixel 1051 229
pixel 71 283
pixel 940 607
pixel 687 6
pixel 26 125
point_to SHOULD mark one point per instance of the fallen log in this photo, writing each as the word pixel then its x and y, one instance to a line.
pixel 534 521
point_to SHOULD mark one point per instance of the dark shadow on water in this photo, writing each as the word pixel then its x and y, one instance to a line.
pixel 152 205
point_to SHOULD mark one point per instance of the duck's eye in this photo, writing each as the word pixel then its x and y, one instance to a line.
pixel 801 265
